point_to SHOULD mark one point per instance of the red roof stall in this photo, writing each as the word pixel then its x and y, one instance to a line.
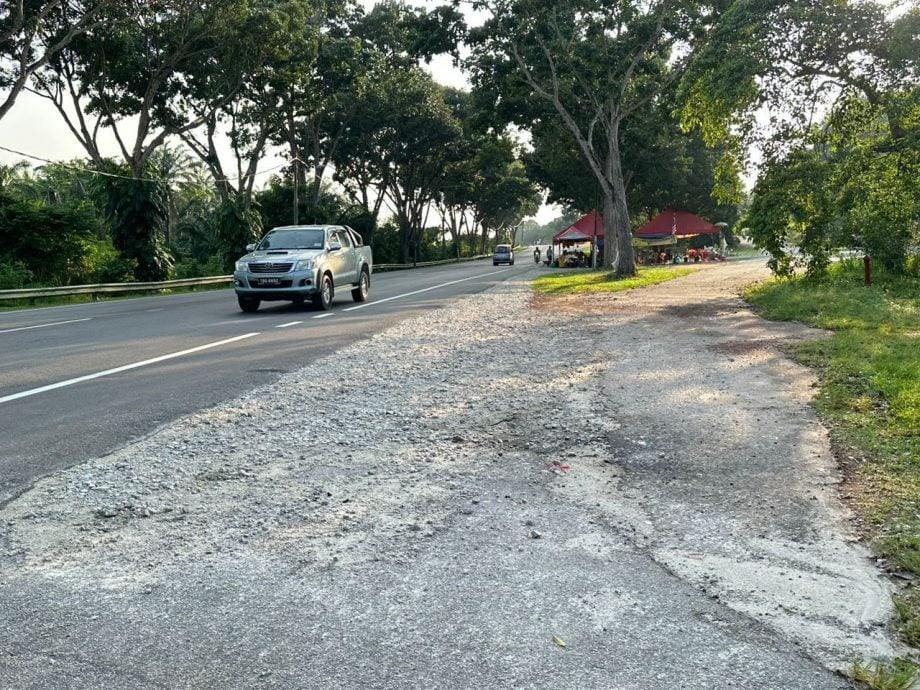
pixel 671 223
pixel 582 230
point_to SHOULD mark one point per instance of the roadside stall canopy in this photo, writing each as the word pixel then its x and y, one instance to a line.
pixel 670 224
pixel 582 230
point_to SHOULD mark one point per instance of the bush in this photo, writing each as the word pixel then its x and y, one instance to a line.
pixel 102 263
pixel 237 226
pixel 192 268
pixel 49 241
pixel 14 275
pixel 385 244
pixel 137 211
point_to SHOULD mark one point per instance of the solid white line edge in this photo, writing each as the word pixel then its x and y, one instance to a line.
pixel 126 367
pixel 45 325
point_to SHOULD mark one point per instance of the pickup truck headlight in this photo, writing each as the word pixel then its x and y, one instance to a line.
pixel 242 266
pixel 305 265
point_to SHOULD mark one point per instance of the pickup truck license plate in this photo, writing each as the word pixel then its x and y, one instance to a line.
pixel 268 282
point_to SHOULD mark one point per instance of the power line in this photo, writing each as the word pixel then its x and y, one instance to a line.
pixel 102 173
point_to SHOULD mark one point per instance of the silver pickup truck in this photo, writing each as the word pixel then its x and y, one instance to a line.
pixel 298 262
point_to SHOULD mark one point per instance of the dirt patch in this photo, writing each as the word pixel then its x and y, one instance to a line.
pixel 741 347
pixel 590 304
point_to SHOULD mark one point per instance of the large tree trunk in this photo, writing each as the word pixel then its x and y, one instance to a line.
pixel 618 248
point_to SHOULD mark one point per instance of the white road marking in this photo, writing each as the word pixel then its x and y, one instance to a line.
pixel 44 325
pixel 418 292
pixel 322 316
pixel 126 367
pixel 288 325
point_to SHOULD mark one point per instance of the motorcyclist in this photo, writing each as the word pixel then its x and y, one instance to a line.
pixel 536 255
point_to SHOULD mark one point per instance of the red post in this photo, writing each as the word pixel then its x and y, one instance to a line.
pixel 867 270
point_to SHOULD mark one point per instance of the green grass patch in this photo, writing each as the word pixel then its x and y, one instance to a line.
pixel 870 399
pixel 574 281
pixel 885 675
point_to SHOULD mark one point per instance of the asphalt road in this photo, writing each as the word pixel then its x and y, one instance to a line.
pixel 79 381
pixel 450 521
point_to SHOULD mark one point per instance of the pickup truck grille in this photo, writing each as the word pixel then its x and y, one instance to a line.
pixel 271 267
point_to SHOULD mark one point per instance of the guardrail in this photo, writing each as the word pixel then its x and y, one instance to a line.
pixel 110 288
pixel 423 264
pixel 121 288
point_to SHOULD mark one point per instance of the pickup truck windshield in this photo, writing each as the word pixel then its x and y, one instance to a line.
pixel 304 238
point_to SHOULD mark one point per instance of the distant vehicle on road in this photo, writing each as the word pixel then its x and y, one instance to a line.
pixel 503 254
pixel 300 262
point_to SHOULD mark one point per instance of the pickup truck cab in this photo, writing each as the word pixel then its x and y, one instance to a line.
pixel 300 262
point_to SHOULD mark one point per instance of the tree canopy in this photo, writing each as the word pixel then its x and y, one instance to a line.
pixel 627 106
pixel 838 84
pixel 588 70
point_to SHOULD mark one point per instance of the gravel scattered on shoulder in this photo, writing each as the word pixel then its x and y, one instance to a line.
pixel 662 424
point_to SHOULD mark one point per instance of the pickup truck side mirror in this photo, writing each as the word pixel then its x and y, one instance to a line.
pixel 334 246
pixel 250 247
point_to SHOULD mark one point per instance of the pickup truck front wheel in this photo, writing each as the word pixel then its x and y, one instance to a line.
pixel 361 290
pixel 249 305
pixel 323 297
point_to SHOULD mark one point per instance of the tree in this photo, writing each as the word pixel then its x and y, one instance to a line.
pixel 179 172
pixel 399 148
pixel 131 204
pixel 406 35
pixel 662 167
pixel 33 33
pixel 274 204
pixel 273 101
pixel 799 59
pixel 318 99
pixel 844 186
pixel 238 225
pixel 841 83
pixel 382 155
pixel 503 194
pixel 63 182
pixel 486 185
pixel 593 66
pixel 160 71
pixel 12 176
pixel 157 67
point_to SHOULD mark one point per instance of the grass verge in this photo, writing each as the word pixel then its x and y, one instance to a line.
pixel 886 675
pixel 870 401
pixel 576 281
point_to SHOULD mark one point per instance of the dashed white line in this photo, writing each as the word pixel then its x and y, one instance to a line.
pixel 43 325
pixel 288 325
pixel 126 367
pixel 418 292
pixel 323 316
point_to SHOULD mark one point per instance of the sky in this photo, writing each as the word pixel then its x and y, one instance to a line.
pixel 34 127
pixel 34 131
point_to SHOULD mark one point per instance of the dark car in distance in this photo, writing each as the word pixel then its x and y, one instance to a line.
pixel 503 254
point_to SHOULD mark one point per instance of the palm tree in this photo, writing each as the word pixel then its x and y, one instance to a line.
pixel 182 174
pixel 11 176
